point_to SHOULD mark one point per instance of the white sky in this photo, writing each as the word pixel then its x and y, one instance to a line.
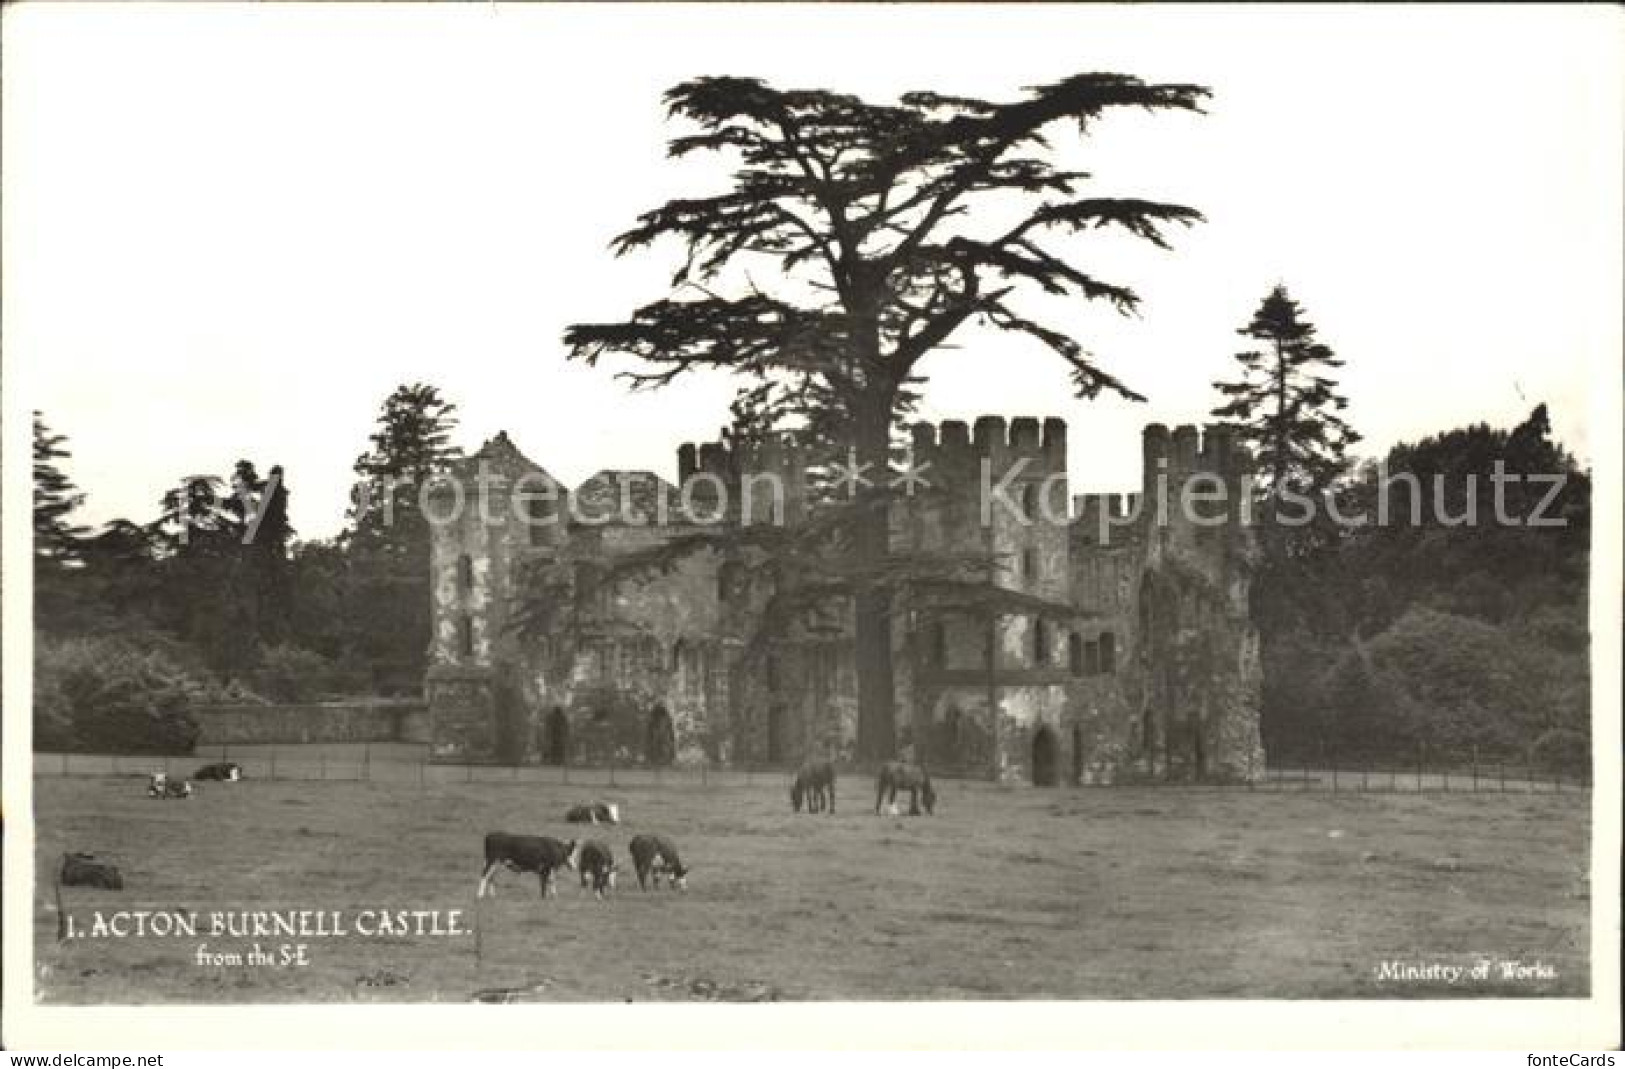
pixel 231 231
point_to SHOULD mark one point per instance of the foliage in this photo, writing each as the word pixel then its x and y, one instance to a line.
pixel 1285 405
pixel 112 696
pixel 1451 683
pixel 867 215
pixel 387 545
pixel 55 539
pixel 291 674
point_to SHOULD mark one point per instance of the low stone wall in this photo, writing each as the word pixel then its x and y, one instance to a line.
pixel 222 725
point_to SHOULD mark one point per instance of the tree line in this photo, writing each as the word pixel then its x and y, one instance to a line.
pixel 853 240
pixel 215 598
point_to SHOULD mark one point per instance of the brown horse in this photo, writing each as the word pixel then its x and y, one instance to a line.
pixel 901 776
pixel 815 782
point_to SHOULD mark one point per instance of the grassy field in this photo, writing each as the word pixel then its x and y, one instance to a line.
pixel 1006 893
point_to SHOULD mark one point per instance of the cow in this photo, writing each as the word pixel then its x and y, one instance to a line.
pixel 597 867
pixel 593 813
pixel 85 870
pixel 814 782
pixel 222 771
pixel 542 855
pixel 161 786
pixel 901 776
pixel 654 856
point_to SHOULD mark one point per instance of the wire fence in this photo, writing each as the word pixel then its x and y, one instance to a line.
pixel 409 763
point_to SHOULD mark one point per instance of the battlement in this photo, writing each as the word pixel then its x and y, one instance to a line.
pixel 729 461
pixel 1214 448
pixel 954 446
pixel 1107 519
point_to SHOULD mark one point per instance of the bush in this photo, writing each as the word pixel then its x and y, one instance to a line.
pixel 291 674
pixel 1454 683
pixel 112 696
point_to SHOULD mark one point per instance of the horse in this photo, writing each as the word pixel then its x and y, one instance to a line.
pixel 901 776
pixel 815 782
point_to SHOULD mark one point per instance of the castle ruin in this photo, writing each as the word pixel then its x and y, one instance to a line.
pixel 1138 659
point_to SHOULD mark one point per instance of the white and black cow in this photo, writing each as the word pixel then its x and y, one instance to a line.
pixel 594 813
pixel 221 771
pixel 86 870
pixel 540 854
pixel 161 786
pixel 654 856
pixel 597 867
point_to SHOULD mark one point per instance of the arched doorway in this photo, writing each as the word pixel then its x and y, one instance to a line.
pixel 661 745
pixel 1045 758
pixel 556 738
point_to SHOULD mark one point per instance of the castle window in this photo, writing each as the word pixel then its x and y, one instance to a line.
pixel 1040 641
pixel 1074 653
pixel 1091 658
pixel 1108 653
pixel 465 636
pixel 465 573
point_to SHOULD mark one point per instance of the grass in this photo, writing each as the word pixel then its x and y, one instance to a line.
pixel 1005 894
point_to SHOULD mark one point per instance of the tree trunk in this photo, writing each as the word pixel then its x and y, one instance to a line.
pixel 877 723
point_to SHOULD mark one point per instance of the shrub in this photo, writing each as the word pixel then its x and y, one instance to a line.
pixel 291 674
pixel 111 696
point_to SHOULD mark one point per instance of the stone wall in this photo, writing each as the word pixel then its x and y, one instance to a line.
pixel 223 725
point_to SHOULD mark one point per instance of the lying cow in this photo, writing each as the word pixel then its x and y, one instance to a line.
pixel 654 856
pixel 597 867
pixel 594 813
pixel 222 771
pixel 542 855
pixel 161 786
pixel 84 870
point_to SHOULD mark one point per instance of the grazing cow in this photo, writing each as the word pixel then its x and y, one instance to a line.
pixel 901 776
pixel 542 855
pixel 594 813
pixel 815 782
pixel 597 867
pixel 222 771
pixel 161 786
pixel 654 856
pixel 84 870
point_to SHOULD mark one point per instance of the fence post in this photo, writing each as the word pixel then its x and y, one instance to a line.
pixel 366 762
pixel 1501 766
pixel 1365 774
pixel 1475 768
pixel 1333 762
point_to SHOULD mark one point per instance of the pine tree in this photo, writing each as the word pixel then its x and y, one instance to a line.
pixel 411 443
pixel 56 540
pixel 387 545
pixel 1285 406
pixel 881 229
